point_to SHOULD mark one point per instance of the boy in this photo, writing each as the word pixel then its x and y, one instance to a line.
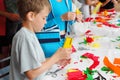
pixel 27 58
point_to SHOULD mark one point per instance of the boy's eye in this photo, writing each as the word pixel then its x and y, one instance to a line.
pixel 44 18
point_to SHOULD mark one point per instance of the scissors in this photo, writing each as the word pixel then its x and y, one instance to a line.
pixel 53 74
pixel 82 48
pixel 100 77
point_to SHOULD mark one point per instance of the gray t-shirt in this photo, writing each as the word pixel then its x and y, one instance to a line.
pixel 26 54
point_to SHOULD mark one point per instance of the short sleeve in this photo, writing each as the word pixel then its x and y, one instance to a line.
pixel 28 58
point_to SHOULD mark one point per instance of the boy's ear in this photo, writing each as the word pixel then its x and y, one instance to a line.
pixel 30 16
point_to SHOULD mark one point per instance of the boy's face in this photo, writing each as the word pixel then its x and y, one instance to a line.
pixel 40 20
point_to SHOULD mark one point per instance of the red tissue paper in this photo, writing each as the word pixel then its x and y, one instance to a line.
pixel 94 58
pixel 76 74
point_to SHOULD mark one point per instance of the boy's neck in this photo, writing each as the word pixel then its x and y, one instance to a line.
pixel 28 26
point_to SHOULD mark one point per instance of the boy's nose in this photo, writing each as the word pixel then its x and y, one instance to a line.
pixel 45 22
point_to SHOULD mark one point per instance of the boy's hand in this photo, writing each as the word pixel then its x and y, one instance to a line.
pixel 64 62
pixel 63 53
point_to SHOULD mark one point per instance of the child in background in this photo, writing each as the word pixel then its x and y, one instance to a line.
pixel 86 7
pixel 27 57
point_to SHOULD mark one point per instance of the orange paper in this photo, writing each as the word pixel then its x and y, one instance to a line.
pixel 114 68
pixel 117 61
pixel 105 13
pixel 99 25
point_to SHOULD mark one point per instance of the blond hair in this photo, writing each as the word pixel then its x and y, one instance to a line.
pixel 25 6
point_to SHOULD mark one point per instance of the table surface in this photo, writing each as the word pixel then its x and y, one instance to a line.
pixel 106 43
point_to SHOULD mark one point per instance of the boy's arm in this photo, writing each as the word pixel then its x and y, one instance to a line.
pixel 59 55
pixel 31 74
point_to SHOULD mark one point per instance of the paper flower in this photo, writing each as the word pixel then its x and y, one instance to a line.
pixel 94 58
pixel 89 39
pixel 75 74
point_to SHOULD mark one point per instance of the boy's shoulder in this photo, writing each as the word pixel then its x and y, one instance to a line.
pixel 24 33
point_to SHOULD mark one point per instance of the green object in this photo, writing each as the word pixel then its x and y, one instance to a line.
pixel 117 47
pixel 106 69
pixel 118 24
pixel 83 57
pixel 94 22
pixel 81 43
pixel 84 42
pixel 89 77
pixel 118 36
pixel 113 41
pixel 117 39
pixel 89 73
